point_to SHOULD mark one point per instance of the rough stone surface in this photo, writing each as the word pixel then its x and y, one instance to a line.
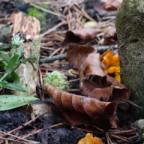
pixel 130 32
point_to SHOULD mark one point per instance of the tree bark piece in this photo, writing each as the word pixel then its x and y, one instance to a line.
pixel 130 32
pixel 28 72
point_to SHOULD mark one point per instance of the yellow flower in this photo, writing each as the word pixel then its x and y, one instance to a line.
pixel 111 64
pixel 89 139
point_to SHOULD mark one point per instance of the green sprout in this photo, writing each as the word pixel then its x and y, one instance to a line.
pixel 17 40
pixel 57 80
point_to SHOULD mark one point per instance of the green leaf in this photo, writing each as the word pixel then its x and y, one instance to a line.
pixel 12 86
pixel 15 77
pixel 5 57
pixel 5 46
pixel 8 102
pixel 12 63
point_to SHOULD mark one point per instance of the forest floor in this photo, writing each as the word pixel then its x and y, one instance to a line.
pixel 69 25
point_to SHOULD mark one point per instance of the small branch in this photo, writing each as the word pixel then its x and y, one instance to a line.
pixel 54 28
pixel 39 130
pixel 53 58
pixel 104 48
pixel 22 126
pixel 19 138
pixel 45 10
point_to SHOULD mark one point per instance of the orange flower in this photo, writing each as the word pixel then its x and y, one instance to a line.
pixel 111 64
pixel 89 139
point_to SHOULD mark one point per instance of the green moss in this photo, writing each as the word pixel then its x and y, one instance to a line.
pixel 57 80
pixel 130 32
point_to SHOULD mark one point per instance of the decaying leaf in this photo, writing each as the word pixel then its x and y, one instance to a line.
pixel 95 111
pixel 78 53
pixel 120 92
pixel 80 35
pixel 102 94
pixel 93 65
pixel 112 4
pixel 89 139
pixel 111 64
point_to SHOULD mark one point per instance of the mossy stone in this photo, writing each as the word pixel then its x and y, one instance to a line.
pixel 130 33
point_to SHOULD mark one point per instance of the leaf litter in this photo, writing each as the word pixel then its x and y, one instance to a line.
pixel 91 102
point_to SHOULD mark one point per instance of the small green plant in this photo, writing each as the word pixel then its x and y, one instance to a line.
pixel 9 79
pixel 9 62
pixel 57 80
pixel 34 13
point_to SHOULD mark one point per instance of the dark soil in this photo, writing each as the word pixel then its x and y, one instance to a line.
pixel 10 120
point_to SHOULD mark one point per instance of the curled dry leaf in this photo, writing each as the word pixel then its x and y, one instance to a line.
pixel 77 54
pixel 102 94
pixel 112 4
pixel 120 92
pixel 95 111
pixel 108 90
pixel 80 35
pixel 89 139
pixel 93 65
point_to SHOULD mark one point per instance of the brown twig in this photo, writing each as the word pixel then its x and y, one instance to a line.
pixel 11 140
pixel 124 139
pixel 108 139
pixel 53 58
pixel 54 28
pixel 56 51
pixel 124 132
pixel 39 130
pixel 22 126
pixel 19 138
pixel 45 10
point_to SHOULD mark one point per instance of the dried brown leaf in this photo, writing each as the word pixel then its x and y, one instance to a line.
pixel 102 94
pixel 93 65
pixel 120 92
pixel 92 108
pixel 112 4
pixel 88 86
pixel 105 89
pixel 80 35
pixel 77 54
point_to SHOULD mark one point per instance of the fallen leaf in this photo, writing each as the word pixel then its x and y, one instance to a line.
pixel 93 65
pixel 78 53
pixel 102 94
pixel 112 4
pixel 80 35
pixel 89 139
pixel 105 89
pixel 88 86
pixel 95 111
pixel 120 92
